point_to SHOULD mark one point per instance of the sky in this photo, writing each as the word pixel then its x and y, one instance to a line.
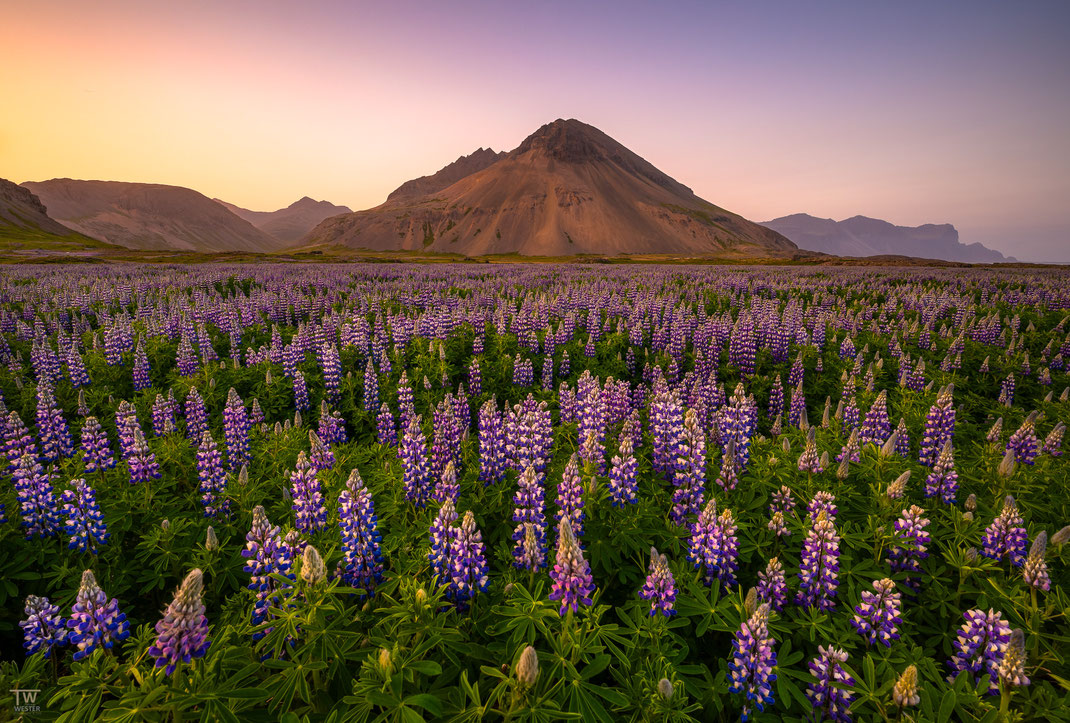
pixel 915 112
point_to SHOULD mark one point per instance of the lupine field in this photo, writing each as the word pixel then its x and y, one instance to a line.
pixel 534 492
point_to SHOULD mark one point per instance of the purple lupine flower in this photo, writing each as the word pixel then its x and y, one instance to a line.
pixel 729 475
pixel 529 514
pixel 300 391
pixel 1011 668
pixel 309 511
pixel 320 455
pixel 412 451
pixel 371 387
pixel 76 369
pixel 753 662
pixel 1006 391
pixel 182 633
pixel 332 429
pixel 902 439
pixel 406 407
pixel 163 418
pixel 570 497
pixel 332 369
pixel 492 458
pixel 809 461
pixel 659 588
pixel 772 585
pixel 819 570
pixel 1006 536
pixel 776 398
pixel 196 415
pixel 910 546
pixel 212 476
pixel 17 440
pixel 851 451
pixel 236 431
pixel 573 583
pixel 878 615
pixel 979 647
pixel 1053 443
pixel 475 377
pixel 362 561
pixel 1024 441
pixel 141 367
pixel 876 427
pixel 782 501
pixel 266 553
pixel 96 451
pixel 666 428
pixel 441 541
pixel 943 481
pixel 43 628
pixel 741 345
pixel 84 525
pixel 467 562
pixel 384 426
pixel 623 474
pixel 713 546
pixel 51 426
pixel 822 502
pixel 828 700
pixel 36 499
pixel 777 525
pixel 447 487
pixel 1035 571
pixel 141 460
pixel 690 477
pixel 95 621
pixel 797 408
pixel 939 427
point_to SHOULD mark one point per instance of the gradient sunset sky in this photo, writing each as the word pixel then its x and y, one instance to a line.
pixel 914 112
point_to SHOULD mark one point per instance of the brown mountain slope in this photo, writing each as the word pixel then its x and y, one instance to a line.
pixel 567 189
pixel 291 223
pixel 149 216
pixel 25 224
pixel 463 166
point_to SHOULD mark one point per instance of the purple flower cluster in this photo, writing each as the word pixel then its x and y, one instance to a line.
pixel 1006 536
pixel 43 629
pixel 182 633
pixel 753 662
pixel 412 450
pixel 266 553
pixel 529 514
pixel 659 588
pixel 623 474
pixel 467 562
pixel 772 585
pixel 820 566
pixel 362 562
pixel 943 481
pixel 979 647
pixel 878 615
pixel 713 546
pixel 95 621
pixel 1023 443
pixel 212 476
pixel 829 695
pixel 236 431
pixel 571 575
pixel 309 511
pixel 84 525
pixel 441 534
pixel 911 543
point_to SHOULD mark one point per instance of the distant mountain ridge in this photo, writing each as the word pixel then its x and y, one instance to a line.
pixel 25 225
pixel 149 216
pixel 864 236
pixel 567 189
pixel 291 223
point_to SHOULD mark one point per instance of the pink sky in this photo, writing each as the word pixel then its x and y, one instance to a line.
pixel 956 114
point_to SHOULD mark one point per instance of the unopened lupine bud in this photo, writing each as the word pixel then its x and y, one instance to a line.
pixel 312 568
pixel 971 554
pixel 888 448
pixel 786 445
pixel 824 460
pixel 905 691
pixel 750 604
pixel 1006 465
pixel 421 597
pixel 968 516
pixel 243 475
pixel 527 668
pixel 843 470
pixel 1061 537
pixel 165 525
pixel 898 486
pixel 211 542
pixel 971 502
pixel 1012 667
pixel 386 666
pixel 665 688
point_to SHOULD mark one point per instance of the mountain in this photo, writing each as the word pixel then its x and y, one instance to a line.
pixel 290 223
pixel 463 166
pixel 862 236
pixel 25 223
pixel 149 216
pixel 567 189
